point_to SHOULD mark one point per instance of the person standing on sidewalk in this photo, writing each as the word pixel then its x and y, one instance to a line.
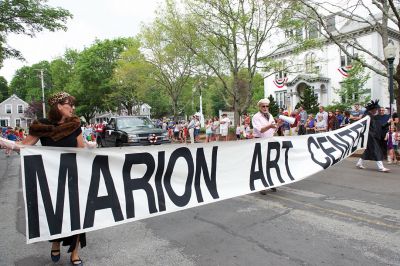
pixel 374 150
pixel 191 127
pixel 264 125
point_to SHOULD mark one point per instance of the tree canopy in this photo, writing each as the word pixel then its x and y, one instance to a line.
pixel 27 17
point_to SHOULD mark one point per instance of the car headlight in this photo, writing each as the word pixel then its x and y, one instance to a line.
pixel 133 138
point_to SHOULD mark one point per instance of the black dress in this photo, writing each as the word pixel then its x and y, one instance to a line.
pixel 374 151
pixel 68 141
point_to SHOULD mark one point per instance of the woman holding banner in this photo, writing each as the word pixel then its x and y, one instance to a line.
pixel 61 129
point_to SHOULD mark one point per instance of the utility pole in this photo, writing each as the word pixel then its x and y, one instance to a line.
pixel 42 83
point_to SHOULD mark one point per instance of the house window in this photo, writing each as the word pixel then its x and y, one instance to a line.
pixel 310 63
pixel 20 109
pixel 281 70
pixel 4 122
pixel 299 34
pixel 280 97
pixel 8 108
pixel 18 122
pixel 28 122
pixel 289 33
pixel 330 24
pixel 346 59
pixel 312 31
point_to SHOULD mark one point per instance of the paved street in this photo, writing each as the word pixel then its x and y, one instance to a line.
pixel 342 216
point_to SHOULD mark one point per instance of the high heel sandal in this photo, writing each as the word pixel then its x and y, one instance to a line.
pixel 56 257
pixel 77 262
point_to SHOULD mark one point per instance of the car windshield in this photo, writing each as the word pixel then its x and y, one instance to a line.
pixel 134 122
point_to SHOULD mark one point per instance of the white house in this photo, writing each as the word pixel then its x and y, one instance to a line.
pixel 12 113
pixel 324 68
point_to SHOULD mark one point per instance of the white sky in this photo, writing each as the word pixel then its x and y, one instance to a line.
pixel 101 19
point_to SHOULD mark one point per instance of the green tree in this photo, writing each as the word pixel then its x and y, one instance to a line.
pixel 93 74
pixel 273 106
pixel 173 63
pixel 227 36
pixel 309 101
pixel 131 79
pixel 3 89
pixel 27 17
pixel 353 87
pixel 26 82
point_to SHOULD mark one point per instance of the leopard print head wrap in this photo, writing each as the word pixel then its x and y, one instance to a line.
pixel 59 97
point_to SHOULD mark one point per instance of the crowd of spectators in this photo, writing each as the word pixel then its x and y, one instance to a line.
pixel 14 134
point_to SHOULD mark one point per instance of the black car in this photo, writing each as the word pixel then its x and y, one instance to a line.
pixel 131 131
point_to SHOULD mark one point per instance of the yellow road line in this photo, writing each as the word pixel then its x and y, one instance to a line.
pixel 370 221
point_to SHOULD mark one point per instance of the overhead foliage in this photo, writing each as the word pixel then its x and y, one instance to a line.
pixel 27 17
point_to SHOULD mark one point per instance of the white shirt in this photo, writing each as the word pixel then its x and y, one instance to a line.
pixel 260 121
pixel 224 123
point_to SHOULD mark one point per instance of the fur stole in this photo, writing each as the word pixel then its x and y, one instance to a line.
pixel 45 128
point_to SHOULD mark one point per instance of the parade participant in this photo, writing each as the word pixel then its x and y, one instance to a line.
pixel 264 125
pixel 374 150
pixel 383 120
pixel 61 129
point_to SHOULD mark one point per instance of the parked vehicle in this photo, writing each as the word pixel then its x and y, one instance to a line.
pixel 131 131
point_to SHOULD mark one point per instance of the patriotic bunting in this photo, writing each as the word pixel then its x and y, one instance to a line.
pixel 280 83
pixel 344 70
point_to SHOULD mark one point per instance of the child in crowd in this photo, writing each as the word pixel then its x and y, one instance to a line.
pixel 238 131
pixel 10 136
pixel 392 144
pixel 209 130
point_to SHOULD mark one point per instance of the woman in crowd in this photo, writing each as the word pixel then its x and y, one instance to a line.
pixel 61 129
pixel 310 124
pixel 346 119
pixel 320 125
pixel 333 122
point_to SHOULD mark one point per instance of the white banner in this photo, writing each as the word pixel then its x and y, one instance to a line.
pixel 69 190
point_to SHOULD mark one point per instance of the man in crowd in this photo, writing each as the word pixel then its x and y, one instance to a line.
pixel 356 113
pixel 323 114
pixel 264 125
pixel 302 121
pixel 191 126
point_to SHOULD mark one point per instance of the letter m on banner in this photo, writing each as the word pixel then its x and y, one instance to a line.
pixel 35 177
